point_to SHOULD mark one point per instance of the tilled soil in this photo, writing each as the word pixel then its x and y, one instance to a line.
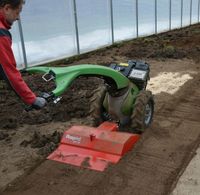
pixel 159 157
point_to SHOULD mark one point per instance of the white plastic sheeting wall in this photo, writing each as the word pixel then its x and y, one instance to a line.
pixel 175 14
pixel 93 18
pixel 163 15
pixel 146 17
pixel 124 19
pixel 17 47
pixel 186 12
pixel 48 29
pixel 195 11
pixel 57 29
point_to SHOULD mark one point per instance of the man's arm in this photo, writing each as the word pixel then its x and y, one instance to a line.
pixel 10 73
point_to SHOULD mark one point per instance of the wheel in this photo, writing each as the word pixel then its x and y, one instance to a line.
pixel 143 110
pixel 97 111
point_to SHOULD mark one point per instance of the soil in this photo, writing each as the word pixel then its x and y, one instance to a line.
pixel 159 157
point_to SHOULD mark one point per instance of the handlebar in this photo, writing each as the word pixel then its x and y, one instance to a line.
pixel 49 97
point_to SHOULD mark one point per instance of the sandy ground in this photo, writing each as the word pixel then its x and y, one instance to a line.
pixel 189 182
pixel 162 153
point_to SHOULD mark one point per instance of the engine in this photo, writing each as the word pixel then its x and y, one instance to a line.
pixel 137 72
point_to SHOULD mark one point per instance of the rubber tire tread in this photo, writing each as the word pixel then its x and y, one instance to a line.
pixel 137 118
pixel 96 105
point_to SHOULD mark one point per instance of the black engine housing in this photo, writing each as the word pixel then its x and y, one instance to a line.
pixel 137 71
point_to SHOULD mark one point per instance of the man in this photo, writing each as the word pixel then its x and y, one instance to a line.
pixel 9 13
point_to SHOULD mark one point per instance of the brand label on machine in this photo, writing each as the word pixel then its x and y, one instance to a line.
pixel 73 139
pixel 138 74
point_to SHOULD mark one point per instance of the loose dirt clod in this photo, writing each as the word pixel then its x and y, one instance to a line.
pixel 45 143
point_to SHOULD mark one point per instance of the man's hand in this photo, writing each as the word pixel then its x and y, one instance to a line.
pixel 39 103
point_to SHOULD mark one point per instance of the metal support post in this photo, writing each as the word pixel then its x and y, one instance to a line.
pixel 170 14
pixel 156 17
pixel 198 9
pixel 137 19
pixel 76 27
pixel 181 13
pixel 112 21
pixel 22 43
pixel 190 12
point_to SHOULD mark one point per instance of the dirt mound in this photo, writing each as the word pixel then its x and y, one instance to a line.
pixel 74 103
pixel 46 143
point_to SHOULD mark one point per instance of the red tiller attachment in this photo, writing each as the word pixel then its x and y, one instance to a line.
pixel 93 148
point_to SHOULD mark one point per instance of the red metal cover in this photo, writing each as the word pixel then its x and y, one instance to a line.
pixel 93 148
